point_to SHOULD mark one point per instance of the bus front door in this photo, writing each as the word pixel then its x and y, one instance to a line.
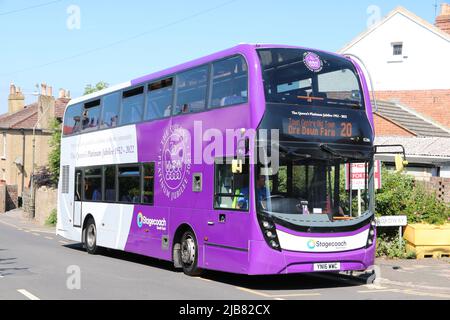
pixel 78 204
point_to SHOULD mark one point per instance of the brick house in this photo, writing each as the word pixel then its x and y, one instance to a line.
pixel 408 60
pixel 16 134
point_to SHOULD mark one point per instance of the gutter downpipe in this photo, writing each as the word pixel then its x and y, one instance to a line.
pixel 33 189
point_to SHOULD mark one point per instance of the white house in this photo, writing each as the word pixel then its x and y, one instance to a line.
pixel 404 52
pixel 409 61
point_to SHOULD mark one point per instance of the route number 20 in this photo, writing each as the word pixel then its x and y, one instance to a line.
pixel 347 130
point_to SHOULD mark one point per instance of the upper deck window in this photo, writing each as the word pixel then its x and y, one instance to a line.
pixel 90 118
pixel 159 99
pixel 72 119
pixel 111 109
pixel 296 76
pixel 191 91
pixel 229 82
pixel 132 106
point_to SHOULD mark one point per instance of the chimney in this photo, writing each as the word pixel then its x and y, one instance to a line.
pixel 46 107
pixel 62 94
pixel 16 99
pixel 443 20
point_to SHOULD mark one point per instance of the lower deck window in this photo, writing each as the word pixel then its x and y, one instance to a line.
pixel 128 184
pixel 231 188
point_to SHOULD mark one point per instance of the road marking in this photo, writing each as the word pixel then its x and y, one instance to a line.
pixel 49 238
pixel 28 295
pixel 36 234
pixel 26 231
pixel 379 290
pixel 63 242
pixel 280 299
pixel 261 294
pixel 410 292
pixel 280 296
pixel 296 295
pixel 413 286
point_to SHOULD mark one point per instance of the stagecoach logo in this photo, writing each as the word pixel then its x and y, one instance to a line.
pixel 313 244
pixel 312 62
pixel 174 163
pixel 160 224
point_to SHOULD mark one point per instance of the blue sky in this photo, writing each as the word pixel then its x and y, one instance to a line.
pixel 121 40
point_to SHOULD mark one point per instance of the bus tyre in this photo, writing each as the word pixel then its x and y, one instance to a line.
pixel 189 254
pixel 90 237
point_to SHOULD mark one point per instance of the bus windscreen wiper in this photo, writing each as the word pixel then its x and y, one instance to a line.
pixel 340 154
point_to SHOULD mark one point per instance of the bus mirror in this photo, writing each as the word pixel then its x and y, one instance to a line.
pixel 400 163
pixel 237 166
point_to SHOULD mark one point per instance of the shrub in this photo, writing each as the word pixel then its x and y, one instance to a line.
pixel 401 195
pixel 391 247
pixel 43 178
pixel 52 219
pixel 423 206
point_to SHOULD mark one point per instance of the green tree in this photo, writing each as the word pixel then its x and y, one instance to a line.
pixel 88 89
pixel 54 157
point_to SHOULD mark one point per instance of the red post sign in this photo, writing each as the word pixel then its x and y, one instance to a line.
pixel 357 174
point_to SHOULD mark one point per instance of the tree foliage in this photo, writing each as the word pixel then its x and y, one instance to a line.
pixel 88 89
pixel 54 157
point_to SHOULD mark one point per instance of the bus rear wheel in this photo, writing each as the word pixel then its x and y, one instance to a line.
pixel 90 237
pixel 189 254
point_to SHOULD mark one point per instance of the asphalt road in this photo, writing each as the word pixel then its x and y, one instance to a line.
pixel 34 264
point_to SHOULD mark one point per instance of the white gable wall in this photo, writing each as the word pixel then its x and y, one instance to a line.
pixel 424 65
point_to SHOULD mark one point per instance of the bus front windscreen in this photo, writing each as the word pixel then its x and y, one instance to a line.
pixel 314 190
pixel 305 77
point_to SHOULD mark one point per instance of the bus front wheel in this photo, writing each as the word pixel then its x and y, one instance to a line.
pixel 90 237
pixel 189 254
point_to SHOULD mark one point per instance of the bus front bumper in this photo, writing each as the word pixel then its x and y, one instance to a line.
pixel 265 261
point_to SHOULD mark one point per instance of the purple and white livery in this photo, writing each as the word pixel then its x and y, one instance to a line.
pixel 234 162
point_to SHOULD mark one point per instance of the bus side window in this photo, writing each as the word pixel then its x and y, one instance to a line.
pixel 148 183
pixel 231 190
pixel 191 91
pixel 132 106
pixel 229 82
pixel 130 184
pixel 159 99
pixel 111 108
pixel 110 183
pixel 91 116
pixel 72 119
pixel 93 185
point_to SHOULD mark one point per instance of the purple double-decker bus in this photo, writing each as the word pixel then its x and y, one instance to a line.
pixel 240 162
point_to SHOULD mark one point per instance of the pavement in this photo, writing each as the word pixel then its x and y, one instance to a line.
pixel 35 264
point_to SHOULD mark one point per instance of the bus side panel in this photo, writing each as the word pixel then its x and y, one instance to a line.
pixel 112 222
pixel 148 232
pixel 65 226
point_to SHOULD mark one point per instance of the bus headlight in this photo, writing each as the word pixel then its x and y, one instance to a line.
pixel 372 234
pixel 270 233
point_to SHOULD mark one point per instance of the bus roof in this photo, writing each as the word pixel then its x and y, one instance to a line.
pixel 246 49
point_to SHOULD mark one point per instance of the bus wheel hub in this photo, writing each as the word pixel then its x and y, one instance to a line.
pixel 188 251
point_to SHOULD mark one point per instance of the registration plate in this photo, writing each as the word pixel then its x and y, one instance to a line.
pixel 327 267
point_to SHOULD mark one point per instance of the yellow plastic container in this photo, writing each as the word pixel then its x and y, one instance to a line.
pixel 428 241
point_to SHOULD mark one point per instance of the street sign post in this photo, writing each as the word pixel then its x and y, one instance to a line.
pixel 356 177
pixel 393 221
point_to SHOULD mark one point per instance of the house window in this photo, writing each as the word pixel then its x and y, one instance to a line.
pixel 4 146
pixel 397 49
